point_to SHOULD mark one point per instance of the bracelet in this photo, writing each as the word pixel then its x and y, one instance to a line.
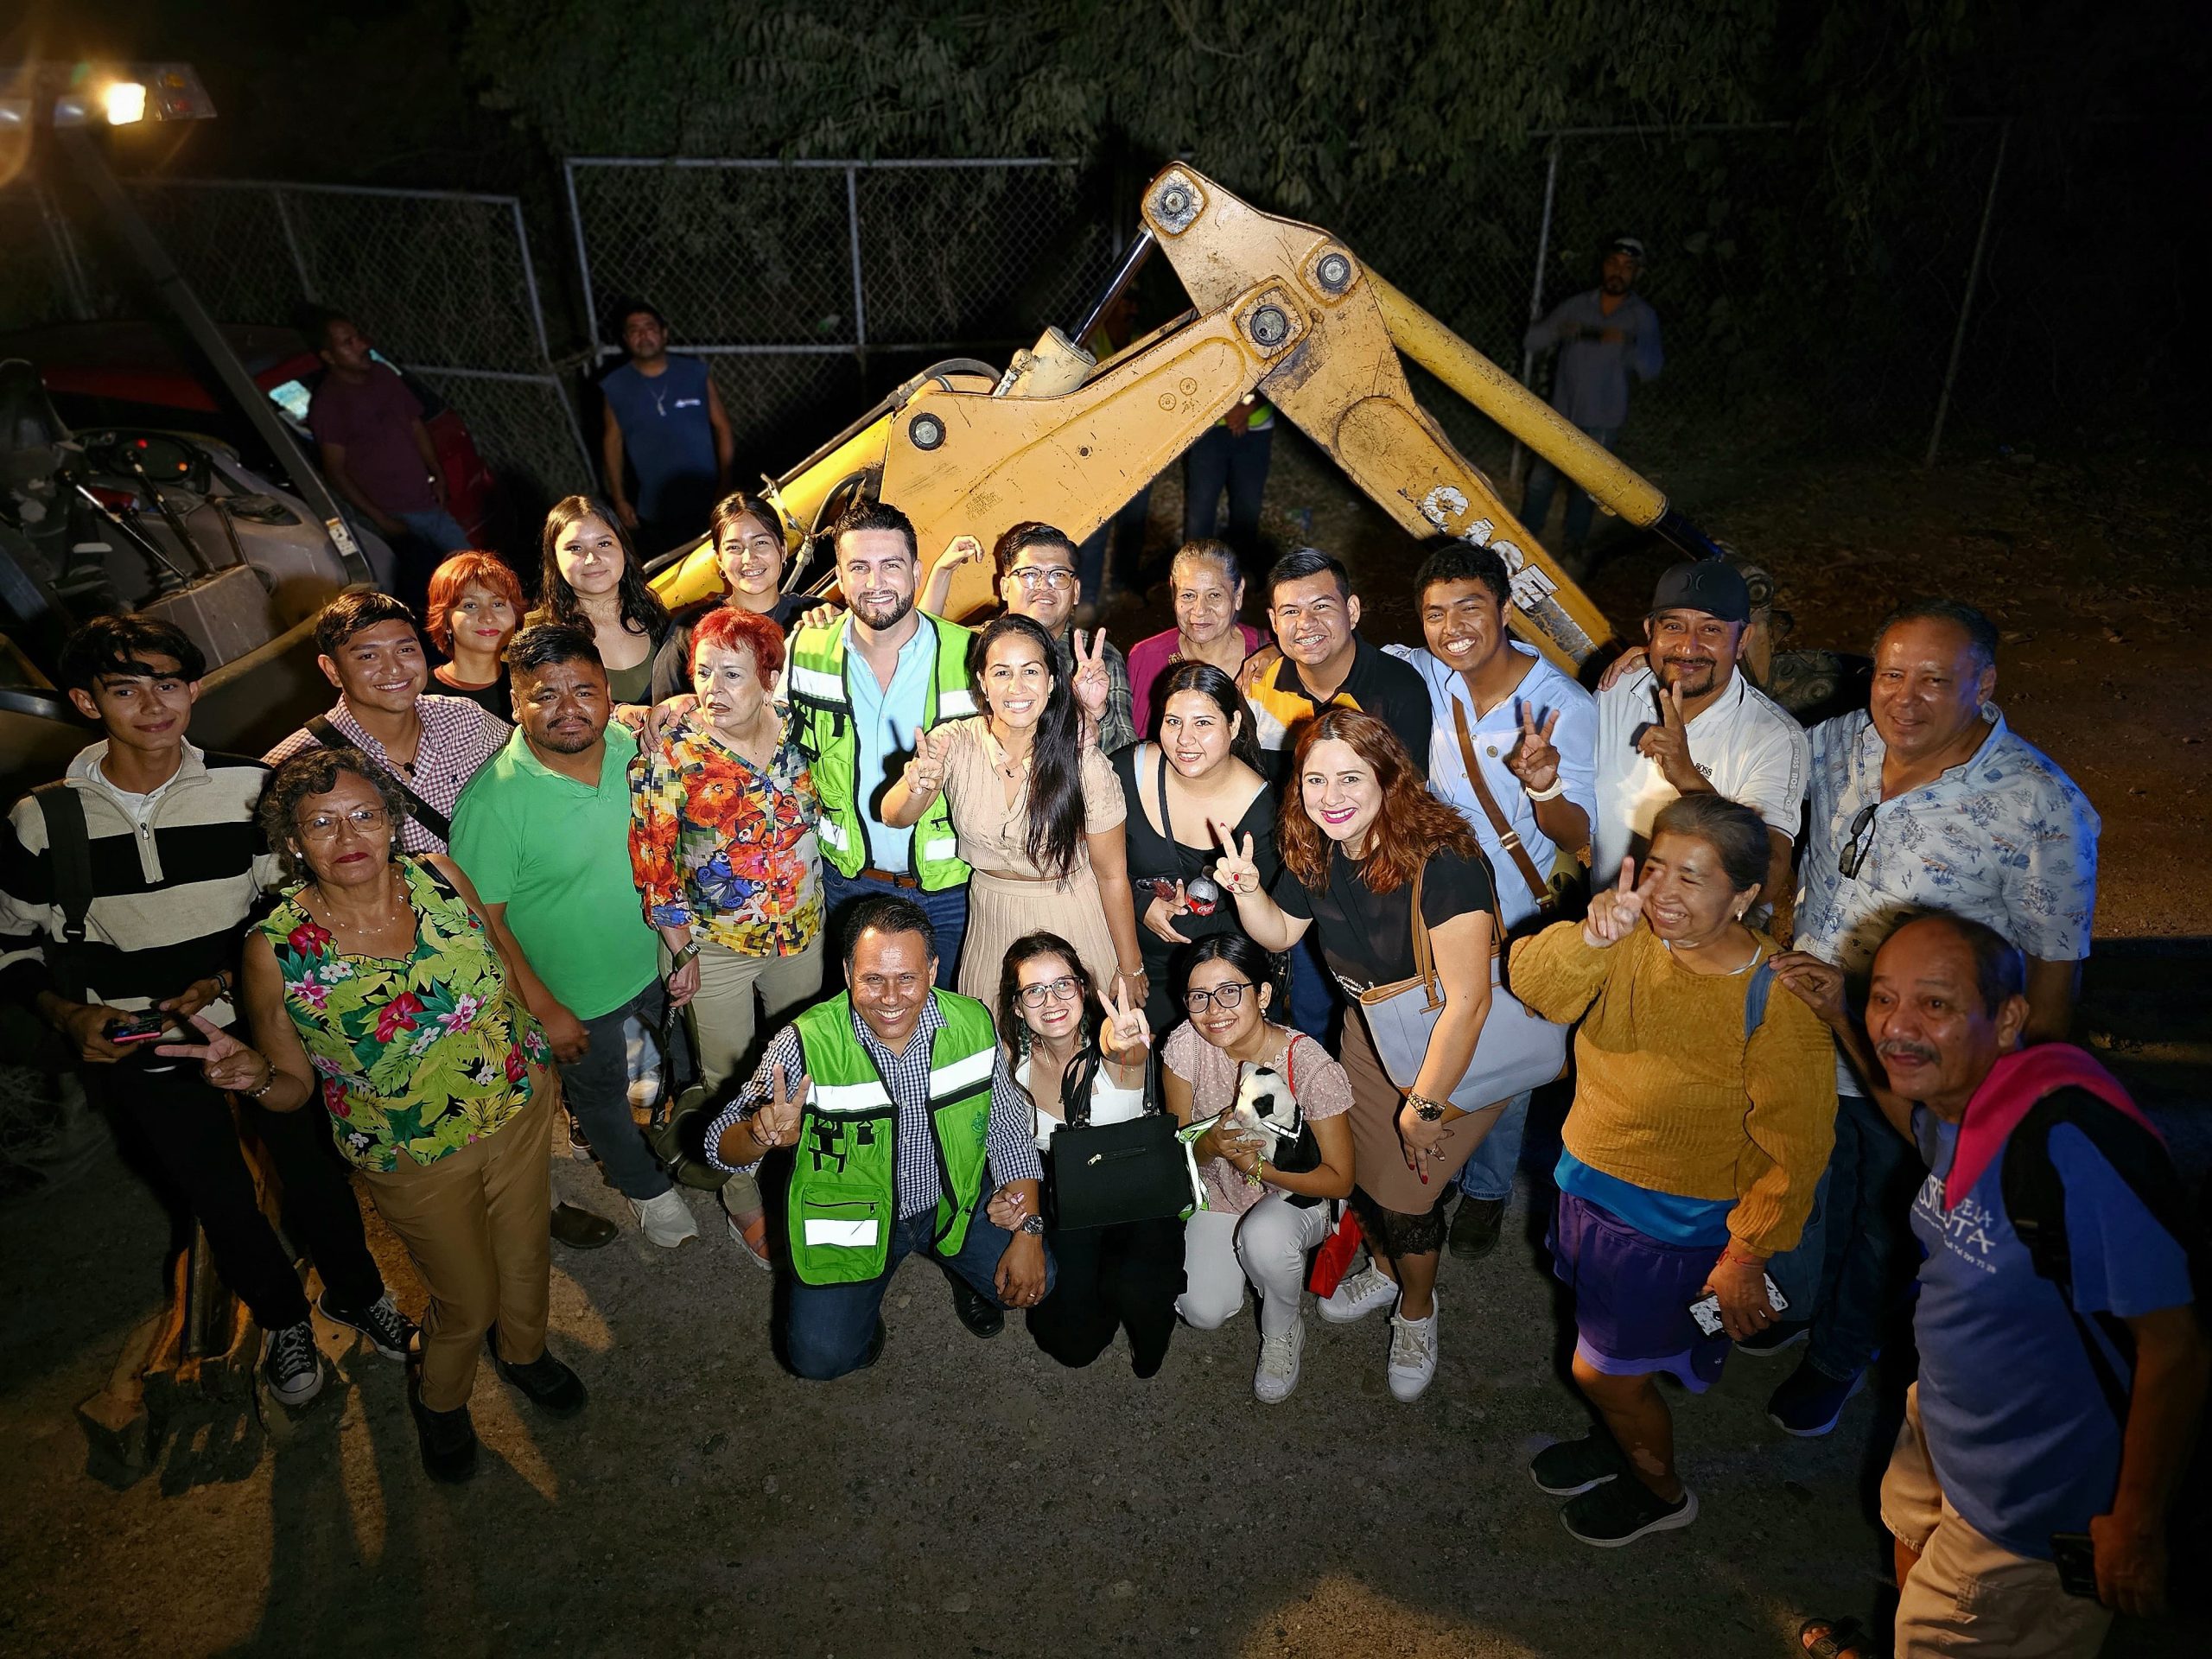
pixel 682 958
pixel 222 982
pixel 1558 789
pixel 267 1083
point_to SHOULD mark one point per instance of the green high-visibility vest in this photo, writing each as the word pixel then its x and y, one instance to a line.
pixel 844 1190
pixel 822 706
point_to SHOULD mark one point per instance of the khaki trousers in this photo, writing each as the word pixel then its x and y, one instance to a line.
pixel 475 1224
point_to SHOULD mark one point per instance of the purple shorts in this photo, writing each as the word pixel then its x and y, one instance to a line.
pixel 1632 1295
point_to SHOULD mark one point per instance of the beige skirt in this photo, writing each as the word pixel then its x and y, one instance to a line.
pixel 999 911
pixel 1379 1165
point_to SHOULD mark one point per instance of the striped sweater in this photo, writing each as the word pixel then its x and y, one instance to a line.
pixel 174 876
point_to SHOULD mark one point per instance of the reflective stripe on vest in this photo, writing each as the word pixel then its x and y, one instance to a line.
pixel 820 685
pixel 839 1098
pixel 934 849
pixel 963 1075
pixel 832 835
pixel 953 703
pixel 846 1235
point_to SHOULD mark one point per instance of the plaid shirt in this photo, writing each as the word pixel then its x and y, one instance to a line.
pixel 458 737
pixel 1117 727
pixel 1012 1152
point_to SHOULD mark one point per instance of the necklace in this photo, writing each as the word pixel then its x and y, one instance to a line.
pixel 385 915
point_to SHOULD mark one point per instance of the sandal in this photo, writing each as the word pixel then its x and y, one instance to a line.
pixel 1837 1638
pixel 754 1237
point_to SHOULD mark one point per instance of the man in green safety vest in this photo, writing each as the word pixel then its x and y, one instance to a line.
pixel 882 1096
pixel 863 686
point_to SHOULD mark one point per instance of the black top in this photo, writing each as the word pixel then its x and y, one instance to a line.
pixel 1368 937
pixel 1379 684
pixel 1154 856
pixel 496 699
pixel 671 675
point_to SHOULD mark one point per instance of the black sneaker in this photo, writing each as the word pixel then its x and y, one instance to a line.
pixel 1781 1334
pixel 580 1230
pixel 1622 1512
pixel 448 1440
pixel 1809 1404
pixel 1474 1229
pixel 982 1317
pixel 552 1386
pixel 1566 1467
pixel 390 1332
pixel 291 1364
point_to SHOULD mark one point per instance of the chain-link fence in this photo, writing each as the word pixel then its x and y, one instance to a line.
pixel 804 284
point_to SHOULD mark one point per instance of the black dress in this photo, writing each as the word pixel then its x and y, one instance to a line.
pixel 1154 857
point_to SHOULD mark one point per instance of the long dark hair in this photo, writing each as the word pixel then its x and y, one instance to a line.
pixel 641 606
pixel 1014 1030
pixel 1056 815
pixel 1222 688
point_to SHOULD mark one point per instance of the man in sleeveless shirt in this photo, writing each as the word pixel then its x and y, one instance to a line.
pixel 664 418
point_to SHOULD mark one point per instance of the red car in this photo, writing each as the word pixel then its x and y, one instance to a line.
pixel 129 374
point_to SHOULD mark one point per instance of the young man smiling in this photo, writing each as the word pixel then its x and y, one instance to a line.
pixel 167 852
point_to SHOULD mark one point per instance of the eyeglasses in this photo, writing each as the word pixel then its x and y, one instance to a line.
pixel 1859 844
pixel 1224 997
pixel 324 825
pixel 1033 576
pixel 1062 989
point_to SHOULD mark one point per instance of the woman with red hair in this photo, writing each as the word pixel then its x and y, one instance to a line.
pixel 722 811
pixel 1360 839
pixel 475 607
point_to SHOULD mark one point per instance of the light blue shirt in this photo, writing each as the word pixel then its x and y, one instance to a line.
pixel 884 721
pixel 1542 689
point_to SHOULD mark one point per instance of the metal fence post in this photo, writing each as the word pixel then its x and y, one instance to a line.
pixel 292 242
pixel 1966 301
pixel 1536 290
pixel 583 263
pixel 860 304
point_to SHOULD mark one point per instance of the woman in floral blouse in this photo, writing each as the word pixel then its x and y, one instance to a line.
pixel 374 986
pixel 721 843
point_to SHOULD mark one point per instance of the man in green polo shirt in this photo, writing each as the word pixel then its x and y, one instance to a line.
pixel 543 832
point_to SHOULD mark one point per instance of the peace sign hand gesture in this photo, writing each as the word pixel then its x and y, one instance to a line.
pixel 924 774
pixel 1614 911
pixel 1234 869
pixel 1093 684
pixel 1533 760
pixel 776 1123
pixel 1667 743
pixel 225 1062
pixel 1126 1031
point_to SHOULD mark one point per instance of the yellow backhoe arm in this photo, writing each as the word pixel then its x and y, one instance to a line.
pixel 1284 311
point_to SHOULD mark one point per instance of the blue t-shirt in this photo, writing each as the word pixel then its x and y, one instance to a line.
pixel 2017 1428
pixel 666 435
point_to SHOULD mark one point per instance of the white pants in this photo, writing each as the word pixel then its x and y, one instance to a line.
pixel 1267 1244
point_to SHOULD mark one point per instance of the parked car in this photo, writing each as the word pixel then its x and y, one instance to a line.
pixel 130 374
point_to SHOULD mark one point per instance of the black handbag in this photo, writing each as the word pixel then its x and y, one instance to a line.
pixel 1104 1174
pixel 682 1117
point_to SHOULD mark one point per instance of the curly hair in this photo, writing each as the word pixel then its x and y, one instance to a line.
pixel 317 773
pixel 1014 1030
pixel 454 578
pixel 1411 828
pixel 642 611
pixel 732 626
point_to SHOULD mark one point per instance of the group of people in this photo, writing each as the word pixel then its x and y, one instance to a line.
pixel 930 897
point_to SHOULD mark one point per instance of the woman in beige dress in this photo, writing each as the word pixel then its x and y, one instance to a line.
pixel 1038 812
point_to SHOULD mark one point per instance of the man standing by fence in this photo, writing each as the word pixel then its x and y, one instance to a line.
pixel 665 418
pixel 1603 336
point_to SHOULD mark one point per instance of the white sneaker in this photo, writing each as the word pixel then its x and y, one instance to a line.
pixel 666 1220
pixel 1358 1295
pixel 1278 1371
pixel 1413 1355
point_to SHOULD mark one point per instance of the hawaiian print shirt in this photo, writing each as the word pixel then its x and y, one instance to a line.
pixel 421 1054
pixel 724 847
pixel 2004 838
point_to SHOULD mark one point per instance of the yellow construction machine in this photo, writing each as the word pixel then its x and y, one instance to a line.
pixel 1280 310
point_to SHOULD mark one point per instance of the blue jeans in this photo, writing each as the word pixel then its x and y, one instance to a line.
pixel 436 527
pixel 1543 479
pixel 947 911
pixel 1861 1239
pixel 1316 1000
pixel 597 1091
pixel 1094 573
pixel 828 1326
pixel 1489 1174
pixel 1221 460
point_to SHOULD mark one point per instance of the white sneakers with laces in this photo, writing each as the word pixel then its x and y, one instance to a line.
pixel 1359 1294
pixel 1279 1360
pixel 666 1220
pixel 1413 1354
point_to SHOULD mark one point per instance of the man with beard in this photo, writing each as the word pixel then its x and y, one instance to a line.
pixel 1685 721
pixel 543 832
pixel 1924 800
pixel 2062 1365
pixel 864 686
pixel 1604 336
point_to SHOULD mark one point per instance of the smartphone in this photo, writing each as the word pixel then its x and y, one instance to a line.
pixel 2075 1558
pixel 1706 1309
pixel 139 1028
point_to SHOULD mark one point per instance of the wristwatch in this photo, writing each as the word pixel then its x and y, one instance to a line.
pixel 1430 1111
pixel 1032 1225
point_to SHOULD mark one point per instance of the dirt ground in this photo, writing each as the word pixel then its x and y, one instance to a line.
pixel 974 1498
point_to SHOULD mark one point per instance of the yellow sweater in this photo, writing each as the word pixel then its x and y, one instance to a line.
pixel 1669 1096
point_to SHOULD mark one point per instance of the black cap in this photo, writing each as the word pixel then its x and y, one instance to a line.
pixel 1709 585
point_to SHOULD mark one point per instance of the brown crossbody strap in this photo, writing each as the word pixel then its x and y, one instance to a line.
pixel 1498 821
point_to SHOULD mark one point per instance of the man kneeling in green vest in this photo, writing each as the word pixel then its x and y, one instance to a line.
pixel 883 1096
